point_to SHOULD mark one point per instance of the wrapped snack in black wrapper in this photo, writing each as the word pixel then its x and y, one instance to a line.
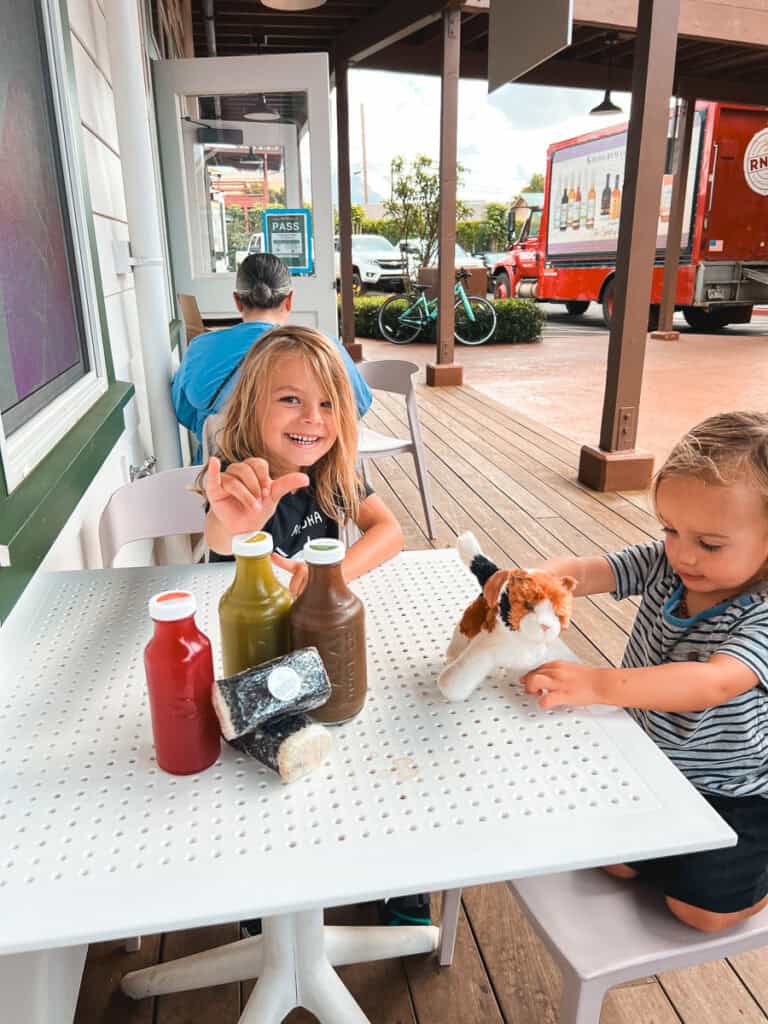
pixel 292 747
pixel 280 688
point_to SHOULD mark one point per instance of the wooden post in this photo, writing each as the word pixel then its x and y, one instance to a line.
pixel 445 371
pixel 616 464
pixel 352 346
pixel 665 331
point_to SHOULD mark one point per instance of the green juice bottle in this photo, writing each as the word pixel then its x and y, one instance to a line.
pixel 254 611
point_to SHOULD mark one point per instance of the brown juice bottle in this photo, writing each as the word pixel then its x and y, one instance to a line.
pixel 328 616
pixel 254 613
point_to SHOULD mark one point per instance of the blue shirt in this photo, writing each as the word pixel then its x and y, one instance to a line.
pixel 722 750
pixel 209 360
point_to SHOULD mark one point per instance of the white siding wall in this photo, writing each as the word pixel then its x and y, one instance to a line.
pixel 77 546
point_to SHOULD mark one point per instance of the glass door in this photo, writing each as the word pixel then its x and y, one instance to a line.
pixel 246 154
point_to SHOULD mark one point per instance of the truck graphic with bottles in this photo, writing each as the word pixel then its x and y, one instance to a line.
pixel 566 251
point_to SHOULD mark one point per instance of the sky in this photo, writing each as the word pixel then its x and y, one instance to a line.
pixel 503 138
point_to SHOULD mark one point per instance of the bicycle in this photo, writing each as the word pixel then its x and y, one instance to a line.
pixel 401 320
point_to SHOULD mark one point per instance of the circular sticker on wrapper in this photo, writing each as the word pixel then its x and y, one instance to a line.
pixel 756 163
pixel 284 683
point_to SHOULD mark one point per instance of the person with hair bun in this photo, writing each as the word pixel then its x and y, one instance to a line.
pixel 210 368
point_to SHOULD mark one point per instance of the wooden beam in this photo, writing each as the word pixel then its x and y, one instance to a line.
pixel 728 21
pixel 345 208
pixel 391 23
pixel 616 464
pixel 676 210
pixel 444 371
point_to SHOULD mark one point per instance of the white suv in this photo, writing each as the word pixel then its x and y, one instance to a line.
pixel 376 263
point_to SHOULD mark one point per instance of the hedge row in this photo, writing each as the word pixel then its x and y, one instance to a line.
pixel 516 319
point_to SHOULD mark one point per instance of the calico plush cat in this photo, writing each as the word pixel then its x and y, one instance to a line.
pixel 510 625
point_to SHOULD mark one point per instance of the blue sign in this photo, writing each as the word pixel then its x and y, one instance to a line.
pixel 288 235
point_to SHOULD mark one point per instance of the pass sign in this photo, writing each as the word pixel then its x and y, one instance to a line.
pixel 288 235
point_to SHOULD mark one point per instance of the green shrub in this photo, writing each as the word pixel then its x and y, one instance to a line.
pixel 516 319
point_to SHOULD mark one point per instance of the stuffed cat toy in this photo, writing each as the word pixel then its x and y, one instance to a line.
pixel 510 625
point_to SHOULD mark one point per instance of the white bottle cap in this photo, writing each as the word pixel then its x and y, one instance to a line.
pixel 252 545
pixel 323 551
pixel 172 605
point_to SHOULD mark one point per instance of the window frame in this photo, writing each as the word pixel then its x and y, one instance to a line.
pixel 25 448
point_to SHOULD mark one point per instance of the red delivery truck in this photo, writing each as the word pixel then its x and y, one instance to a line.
pixel 566 251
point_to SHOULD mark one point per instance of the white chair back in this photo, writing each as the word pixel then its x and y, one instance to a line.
pixel 161 505
pixel 396 376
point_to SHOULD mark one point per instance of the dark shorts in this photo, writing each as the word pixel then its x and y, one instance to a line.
pixel 721 881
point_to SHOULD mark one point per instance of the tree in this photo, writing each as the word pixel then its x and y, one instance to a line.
pixel 496 221
pixel 536 184
pixel 414 203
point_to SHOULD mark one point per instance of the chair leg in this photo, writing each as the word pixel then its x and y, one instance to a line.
pixel 426 497
pixel 581 1001
pixel 449 923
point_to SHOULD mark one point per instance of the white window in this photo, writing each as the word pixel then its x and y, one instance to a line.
pixel 52 366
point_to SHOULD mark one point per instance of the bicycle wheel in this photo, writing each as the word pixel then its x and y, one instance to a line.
pixel 478 327
pixel 400 320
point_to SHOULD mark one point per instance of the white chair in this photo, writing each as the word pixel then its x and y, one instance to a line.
pixel 211 427
pixel 602 931
pixel 396 376
pixel 161 505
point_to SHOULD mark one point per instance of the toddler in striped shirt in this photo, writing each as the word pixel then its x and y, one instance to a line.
pixel 695 670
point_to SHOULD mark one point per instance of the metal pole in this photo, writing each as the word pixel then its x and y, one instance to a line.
pixel 674 228
pixel 365 159
pixel 445 372
pixel 144 212
pixel 616 464
pixel 345 212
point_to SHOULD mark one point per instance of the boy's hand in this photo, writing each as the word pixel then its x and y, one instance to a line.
pixel 299 572
pixel 566 684
pixel 245 496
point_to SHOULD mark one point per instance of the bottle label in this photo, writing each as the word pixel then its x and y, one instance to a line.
pixel 284 683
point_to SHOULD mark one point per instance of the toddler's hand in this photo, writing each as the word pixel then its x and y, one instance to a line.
pixel 245 496
pixel 299 572
pixel 566 684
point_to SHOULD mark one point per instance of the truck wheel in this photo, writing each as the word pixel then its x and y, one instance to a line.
pixel 502 287
pixel 358 288
pixel 607 301
pixel 577 308
pixel 705 320
pixel 653 309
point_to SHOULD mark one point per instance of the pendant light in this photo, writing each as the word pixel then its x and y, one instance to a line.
pixel 261 112
pixel 292 5
pixel 606 106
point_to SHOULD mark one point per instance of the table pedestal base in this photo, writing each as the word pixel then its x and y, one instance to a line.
pixel 293 959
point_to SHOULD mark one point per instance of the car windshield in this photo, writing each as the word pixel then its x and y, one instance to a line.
pixel 373 243
pixel 461 254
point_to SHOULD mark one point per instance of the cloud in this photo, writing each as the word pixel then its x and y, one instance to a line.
pixel 503 138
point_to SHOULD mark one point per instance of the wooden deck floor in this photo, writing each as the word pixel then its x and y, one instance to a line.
pixel 514 483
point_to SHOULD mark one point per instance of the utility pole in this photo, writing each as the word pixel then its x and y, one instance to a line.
pixel 365 161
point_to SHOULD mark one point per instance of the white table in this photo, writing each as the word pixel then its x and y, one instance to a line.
pixel 420 795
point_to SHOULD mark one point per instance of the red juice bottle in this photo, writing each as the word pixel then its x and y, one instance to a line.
pixel 179 668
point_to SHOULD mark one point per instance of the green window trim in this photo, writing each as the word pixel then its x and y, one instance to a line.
pixel 33 516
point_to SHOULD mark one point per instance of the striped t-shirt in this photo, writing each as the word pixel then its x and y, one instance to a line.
pixel 722 750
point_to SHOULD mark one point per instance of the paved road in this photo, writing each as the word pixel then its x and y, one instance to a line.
pixel 591 322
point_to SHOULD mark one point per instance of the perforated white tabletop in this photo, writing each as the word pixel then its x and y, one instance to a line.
pixel 96 842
